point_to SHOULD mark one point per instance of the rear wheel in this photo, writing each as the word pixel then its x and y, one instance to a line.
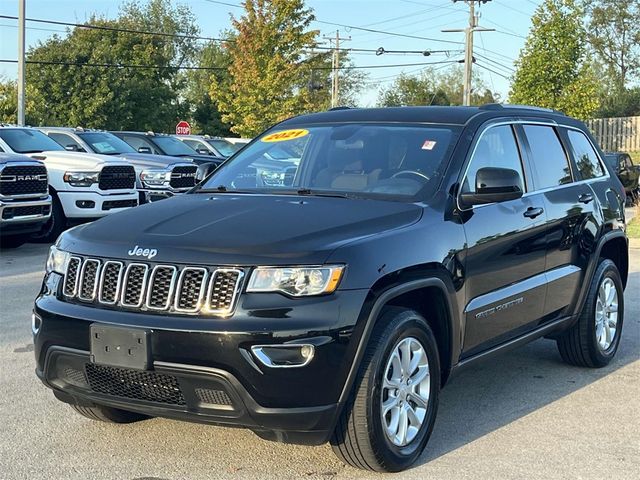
pixel 56 224
pixel 107 414
pixel 390 415
pixel 594 339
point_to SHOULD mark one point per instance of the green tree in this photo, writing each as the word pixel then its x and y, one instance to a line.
pixel 552 70
pixel 204 114
pixel 273 63
pixel 116 97
pixel 431 87
pixel 8 101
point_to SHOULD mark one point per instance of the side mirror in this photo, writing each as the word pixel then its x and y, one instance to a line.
pixel 203 151
pixel 72 148
pixel 144 150
pixel 494 185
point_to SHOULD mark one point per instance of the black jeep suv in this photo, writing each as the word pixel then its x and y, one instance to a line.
pixel 333 306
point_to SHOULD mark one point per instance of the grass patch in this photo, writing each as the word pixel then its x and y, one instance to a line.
pixel 633 227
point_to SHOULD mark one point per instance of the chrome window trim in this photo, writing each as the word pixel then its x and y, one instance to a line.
pixel 86 262
pixel 64 282
pixel 548 123
pixel 118 283
pixel 203 290
pixel 150 281
pixel 143 289
pixel 219 311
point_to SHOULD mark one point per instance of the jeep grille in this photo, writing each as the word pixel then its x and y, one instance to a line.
pixel 152 287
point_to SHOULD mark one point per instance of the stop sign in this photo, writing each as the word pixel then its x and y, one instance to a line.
pixel 183 128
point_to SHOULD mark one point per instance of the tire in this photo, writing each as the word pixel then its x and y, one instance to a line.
pixel 13 241
pixel 360 437
pixel 101 413
pixel 56 224
pixel 581 344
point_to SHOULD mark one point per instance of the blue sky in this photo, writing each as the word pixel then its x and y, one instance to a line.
pixel 416 18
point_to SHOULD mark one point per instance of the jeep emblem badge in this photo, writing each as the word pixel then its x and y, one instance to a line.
pixel 137 251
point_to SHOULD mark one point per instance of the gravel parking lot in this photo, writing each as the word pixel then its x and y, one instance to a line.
pixel 524 414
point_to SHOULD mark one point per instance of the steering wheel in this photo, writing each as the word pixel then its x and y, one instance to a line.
pixel 411 172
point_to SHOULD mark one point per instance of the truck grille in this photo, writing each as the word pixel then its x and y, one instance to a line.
pixel 24 180
pixel 183 177
pixel 138 385
pixel 140 286
pixel 17 212
pixel 114 177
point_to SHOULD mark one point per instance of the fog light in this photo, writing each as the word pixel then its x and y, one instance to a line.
pixel 85 203
pixel 284 356
pixel 36 323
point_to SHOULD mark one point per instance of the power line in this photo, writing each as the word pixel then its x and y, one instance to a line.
pixel 116 29
pixel 492 71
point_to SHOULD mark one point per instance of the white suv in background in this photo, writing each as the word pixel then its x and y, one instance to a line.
pixel 83 186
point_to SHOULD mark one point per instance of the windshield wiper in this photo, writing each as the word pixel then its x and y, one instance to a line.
pixel 316 193
pixel 222 189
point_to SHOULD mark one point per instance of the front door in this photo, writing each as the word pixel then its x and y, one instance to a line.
pixel 505 258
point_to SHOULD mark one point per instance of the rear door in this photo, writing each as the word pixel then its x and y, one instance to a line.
pixel 561 168
pixel 505 257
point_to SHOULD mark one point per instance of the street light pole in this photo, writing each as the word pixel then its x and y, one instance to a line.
pixel 21 62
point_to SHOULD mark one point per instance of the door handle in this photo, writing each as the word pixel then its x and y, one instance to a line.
pixel 585 198
pixel 533 212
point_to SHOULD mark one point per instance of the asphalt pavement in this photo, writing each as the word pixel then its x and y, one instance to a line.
pixel 524 414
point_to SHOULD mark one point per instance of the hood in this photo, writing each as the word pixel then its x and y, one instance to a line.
pixel 149 160
pixel 235 229
pixel 76 160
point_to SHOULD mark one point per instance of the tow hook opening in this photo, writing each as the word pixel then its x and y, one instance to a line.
pixel 284 356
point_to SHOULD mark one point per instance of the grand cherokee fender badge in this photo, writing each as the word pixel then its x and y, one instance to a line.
pixel 498 308
pixel 142 252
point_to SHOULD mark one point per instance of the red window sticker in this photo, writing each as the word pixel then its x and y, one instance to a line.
pixel 428 144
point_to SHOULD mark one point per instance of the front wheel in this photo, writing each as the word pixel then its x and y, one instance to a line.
pixel 594 339
pixel 56 224
pixel 390 415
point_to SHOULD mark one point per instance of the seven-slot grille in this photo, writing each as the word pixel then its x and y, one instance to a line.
pixel 183 177
pixel 113 177
pixel 153 288
pixel 24 180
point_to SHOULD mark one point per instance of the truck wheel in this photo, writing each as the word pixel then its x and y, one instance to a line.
pixel 56 224
pixel 107 414
pixel 594 339
pixel 390 414
pixel 13 241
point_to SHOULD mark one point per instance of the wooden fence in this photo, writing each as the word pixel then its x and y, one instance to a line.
pixel 616 134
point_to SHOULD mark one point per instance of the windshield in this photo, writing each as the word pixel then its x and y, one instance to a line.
pixel 225 148
pixel 361 160
pixel 106 143
pixel 173 146
pixel 27 140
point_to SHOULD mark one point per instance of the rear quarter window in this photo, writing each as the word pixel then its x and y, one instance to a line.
pixel 550 165
pixel 585 156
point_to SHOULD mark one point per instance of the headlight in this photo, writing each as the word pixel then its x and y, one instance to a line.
pixel 57 261
pixel 155 177
pixel 81 179
pixel 296 281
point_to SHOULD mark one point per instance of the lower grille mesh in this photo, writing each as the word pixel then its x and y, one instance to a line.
pixel 213 397
pixel 137 385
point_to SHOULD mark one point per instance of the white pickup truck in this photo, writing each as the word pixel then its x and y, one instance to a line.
pixel 83 186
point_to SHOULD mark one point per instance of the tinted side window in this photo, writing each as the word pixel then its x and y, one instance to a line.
pixel 137 142
pixel 65 140
pixel 627 163
pixel 550 166
pixel 585 156
pixel 496 148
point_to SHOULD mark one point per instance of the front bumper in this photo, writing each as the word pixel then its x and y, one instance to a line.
pixel 208 364
pixel 24 216
pixel 103 204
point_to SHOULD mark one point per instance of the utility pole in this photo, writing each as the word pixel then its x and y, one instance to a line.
pixel 21 69
pixel 335 67
pixel 468 45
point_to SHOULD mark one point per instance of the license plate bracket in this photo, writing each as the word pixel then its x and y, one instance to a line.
pixel 120 347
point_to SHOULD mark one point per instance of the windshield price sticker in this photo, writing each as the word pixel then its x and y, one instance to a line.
pixel 428 145
pixel 285 135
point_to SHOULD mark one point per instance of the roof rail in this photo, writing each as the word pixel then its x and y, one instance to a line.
pixel 339 108
pixel 503 106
